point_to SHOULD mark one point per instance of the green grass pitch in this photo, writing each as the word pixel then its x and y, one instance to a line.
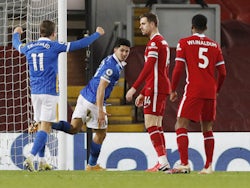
pixel 121 179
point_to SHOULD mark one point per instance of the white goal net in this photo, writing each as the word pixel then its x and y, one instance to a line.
pixel 15 106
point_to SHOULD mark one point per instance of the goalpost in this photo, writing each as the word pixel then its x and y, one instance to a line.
pixel 15 104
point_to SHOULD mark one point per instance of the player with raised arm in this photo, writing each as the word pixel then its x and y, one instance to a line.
pixel 153 96
pixel 200 56
pixel 42 58
pixel 91 103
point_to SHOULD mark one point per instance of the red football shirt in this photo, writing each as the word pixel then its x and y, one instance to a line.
pixel 201 55
pixel 155 70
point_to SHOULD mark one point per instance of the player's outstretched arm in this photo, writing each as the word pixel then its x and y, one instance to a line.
pixel 86 41
pixel 18 30
pixel 16 38
pixel 100 30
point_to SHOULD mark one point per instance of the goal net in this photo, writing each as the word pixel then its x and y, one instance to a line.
pixel 15 105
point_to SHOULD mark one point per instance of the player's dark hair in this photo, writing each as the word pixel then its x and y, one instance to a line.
pixel 199 22
pixel 47 28
pixel 123 42
pixel 151 17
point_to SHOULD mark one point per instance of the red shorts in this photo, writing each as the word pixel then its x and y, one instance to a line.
pixel 197 109
pixel 155 104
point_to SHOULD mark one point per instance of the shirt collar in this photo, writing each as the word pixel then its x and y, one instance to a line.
pixel 121 64
pixel 155 35
pixel 199 35
pixel 44 38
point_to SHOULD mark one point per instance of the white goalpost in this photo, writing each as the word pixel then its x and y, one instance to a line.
pixel 15 106
pixel 62 36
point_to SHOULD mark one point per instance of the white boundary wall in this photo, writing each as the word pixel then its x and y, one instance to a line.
pixel 133 151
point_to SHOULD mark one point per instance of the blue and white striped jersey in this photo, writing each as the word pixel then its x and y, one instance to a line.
pixel 109 70
pixel 42 58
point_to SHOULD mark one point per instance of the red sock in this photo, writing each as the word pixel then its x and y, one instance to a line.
pixel 209 147
pixel 162 136
pixel 156 140
pixel 182 142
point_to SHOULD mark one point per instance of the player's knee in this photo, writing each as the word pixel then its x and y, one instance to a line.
pixel 74 130
pixel 100 136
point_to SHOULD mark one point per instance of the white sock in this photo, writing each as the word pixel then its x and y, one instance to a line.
pixel 163 160
pixel 42 160
pixel 31 157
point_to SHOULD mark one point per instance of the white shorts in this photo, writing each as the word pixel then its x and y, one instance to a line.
pixel 89 113
pixel 44 107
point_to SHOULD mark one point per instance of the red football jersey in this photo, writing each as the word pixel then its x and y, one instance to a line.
pixel 201 55
pixel 156 67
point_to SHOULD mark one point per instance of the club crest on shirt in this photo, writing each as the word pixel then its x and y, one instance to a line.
pixel 152 46
pixel 109 72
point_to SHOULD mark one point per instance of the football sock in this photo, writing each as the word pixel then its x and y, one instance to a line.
pixel 162 136
pixel 163 160
pixel 39 143
pixel 209 147
pixel 41 153
pixel 94 153
pixel 62 126
pixel 182 142
pixel 156 141
pixel 42 160
pixel 31 157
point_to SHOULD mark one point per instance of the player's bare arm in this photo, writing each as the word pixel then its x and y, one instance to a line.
pixel 100 100
pixel 139 100
pixel 173 96
pixel 130 93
